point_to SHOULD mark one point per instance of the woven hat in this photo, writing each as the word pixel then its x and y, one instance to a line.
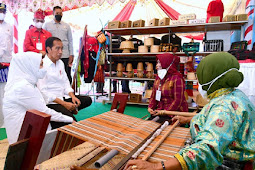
pixel 140 66
pixel 119 67
pixel 39 14
pixel 154 48
pixel 142 49
pixel 126 46
pixel 129 67
pixel 149 67
pixel 149 42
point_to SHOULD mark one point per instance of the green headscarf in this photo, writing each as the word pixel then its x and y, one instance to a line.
pixel 214 65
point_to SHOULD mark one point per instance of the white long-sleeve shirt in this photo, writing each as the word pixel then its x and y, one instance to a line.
pixel 6 42
pixel 24 97
pixel 55 84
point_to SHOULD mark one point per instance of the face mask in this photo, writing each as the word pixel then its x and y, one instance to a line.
pixel 162 72
pixel 204 92
pixel 58 17
pixel 201 91
pixel 2 16
pixel 38 24
pixel 41 73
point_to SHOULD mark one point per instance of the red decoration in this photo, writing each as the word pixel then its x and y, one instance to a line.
pixel 220 123
pixel 191 155
pixel 234 105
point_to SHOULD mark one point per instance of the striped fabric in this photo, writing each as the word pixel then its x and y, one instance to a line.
pixel 248 34
pixel 4 75
pixel 110 129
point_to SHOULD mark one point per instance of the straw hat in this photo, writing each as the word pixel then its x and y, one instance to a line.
pixel 149 42
pixel 129 67
pixel 149 67
pixel 200 101
pixel 119 67
pixel 140 66
pixel 126 46
pixel 191 76
pixel 154 48
pixel 142 49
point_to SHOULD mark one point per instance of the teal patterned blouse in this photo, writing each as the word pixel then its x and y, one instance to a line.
pixel 224 128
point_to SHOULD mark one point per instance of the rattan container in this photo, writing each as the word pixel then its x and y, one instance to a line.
pixel 126 46
pixel 142 49
pixel 149 42
pixel 154 48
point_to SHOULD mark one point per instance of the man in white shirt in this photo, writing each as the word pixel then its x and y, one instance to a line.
pixel 63 31
pixel 55 85
pixel 6 44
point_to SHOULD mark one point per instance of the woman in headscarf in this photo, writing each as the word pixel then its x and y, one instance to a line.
pixel 168 89
pixel 21 93
pixel 224 131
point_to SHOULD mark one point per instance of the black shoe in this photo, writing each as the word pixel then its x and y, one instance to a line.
pixel 114 91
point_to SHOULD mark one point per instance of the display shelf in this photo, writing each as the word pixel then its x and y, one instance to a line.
pixel 192 105
pixel 139 79
pixel 134 78
pixel 187 28
pixel 154 54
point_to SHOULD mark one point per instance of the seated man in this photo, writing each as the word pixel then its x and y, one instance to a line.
pixel 55 85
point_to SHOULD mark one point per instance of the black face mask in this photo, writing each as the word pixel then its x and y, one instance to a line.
pixel 58 17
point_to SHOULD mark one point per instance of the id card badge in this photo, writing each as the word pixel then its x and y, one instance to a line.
pixel 39 46
pixel 158 95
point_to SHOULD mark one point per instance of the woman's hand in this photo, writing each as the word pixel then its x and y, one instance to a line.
pixel 140 164
pixel 182 119
pixel 152 112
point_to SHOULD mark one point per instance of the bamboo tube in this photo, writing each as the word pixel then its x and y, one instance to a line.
pixel 176 113
pixel 160 141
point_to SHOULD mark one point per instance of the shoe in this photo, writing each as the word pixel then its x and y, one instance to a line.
pixel 114 91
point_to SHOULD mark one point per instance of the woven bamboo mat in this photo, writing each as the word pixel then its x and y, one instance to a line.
pixel 4 145
pixel 66 159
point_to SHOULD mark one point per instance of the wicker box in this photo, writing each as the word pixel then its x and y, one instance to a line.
pixel 229 18
pixel 114 24
pixel 154 22
pixel 133 97
pixel 139 23
pixel 187 16
pixel 214 19
pixel 164 22
pixel 126 24
pixel 179 22
pixel 241 17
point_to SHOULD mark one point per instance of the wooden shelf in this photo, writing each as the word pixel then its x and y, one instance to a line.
pixel 154 54
pixel 140 79
pixel 187 28
pixel 190 105
pixel 134 78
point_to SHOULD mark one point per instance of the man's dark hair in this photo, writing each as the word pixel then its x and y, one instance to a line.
pixel 56 7
pixel 49 42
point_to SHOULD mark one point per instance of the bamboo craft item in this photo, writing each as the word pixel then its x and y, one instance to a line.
pixel 171 145
pixel 176 113
pixel 160 141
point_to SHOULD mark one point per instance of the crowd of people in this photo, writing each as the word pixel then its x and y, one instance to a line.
pixel 223 133
pixel 38 78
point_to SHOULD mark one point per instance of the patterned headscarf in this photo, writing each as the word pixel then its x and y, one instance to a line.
pixel 214 65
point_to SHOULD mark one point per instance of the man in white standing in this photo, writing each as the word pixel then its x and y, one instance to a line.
pixel 63 31
pixel 6 44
